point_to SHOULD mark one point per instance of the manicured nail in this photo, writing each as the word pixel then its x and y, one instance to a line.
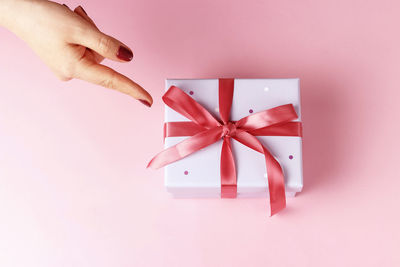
pixel 65 5
pixel 83 10
pixel 124 53
pixel 144 102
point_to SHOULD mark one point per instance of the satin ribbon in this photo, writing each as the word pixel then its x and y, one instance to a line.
pixel 205 130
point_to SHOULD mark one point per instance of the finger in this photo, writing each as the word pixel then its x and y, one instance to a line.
pixel 103 44
pixel 109 78
pixel 82 13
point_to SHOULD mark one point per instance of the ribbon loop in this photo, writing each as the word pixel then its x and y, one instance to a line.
pixel 269 117
pixel 179 101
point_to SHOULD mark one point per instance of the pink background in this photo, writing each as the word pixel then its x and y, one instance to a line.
pixel 74 190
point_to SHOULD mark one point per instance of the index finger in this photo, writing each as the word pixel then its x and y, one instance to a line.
pixel 109 78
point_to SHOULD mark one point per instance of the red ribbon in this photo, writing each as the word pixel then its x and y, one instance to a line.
pixel 205 130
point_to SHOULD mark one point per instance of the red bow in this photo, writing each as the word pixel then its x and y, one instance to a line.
pixel 205 130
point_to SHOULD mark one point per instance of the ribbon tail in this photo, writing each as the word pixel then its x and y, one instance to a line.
pixel 276 181
pixel 228 170
pixel 186 147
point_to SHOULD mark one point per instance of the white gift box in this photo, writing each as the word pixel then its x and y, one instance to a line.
pixel 198 175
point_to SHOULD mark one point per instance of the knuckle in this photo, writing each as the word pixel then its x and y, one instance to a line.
pixel 62 74
pixel 68 71
pixel 109 81
pixel 70 65
pixel 105 44
pixel 64 78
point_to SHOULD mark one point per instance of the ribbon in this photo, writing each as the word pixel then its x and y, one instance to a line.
pixel 205 130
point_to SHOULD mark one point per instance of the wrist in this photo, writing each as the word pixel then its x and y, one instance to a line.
pixel 6 10
pixel 11 12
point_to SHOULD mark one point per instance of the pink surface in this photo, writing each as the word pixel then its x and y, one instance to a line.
pixel 73 187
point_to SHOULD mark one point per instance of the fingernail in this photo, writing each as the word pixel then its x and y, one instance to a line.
pixel 144 102
pixel 65 5
pixel 124 53
pixel 83 10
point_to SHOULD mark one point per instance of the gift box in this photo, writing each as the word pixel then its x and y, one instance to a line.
pixel 198 174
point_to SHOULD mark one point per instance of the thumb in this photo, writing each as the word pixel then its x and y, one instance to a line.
pixel 81 12
pixel 105 45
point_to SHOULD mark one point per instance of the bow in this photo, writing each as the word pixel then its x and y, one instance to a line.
pixel 205 130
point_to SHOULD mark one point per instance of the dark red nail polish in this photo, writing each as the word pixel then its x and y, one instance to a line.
pixel 144 102
pixel 124 53
pixel 83 10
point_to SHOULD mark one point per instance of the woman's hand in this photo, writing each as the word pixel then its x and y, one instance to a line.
pixel 70 43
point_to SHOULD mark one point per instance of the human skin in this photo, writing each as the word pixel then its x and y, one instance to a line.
pixel 69 42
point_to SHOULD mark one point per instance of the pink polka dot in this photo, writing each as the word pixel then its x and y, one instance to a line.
pixel 186 172
pixel 250 111
pixel 290 156
pixel 191 93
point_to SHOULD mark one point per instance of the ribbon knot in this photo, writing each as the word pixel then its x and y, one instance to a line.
pixel 229 129
pixel 203 130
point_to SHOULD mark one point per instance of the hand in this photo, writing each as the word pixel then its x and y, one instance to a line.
pixel 70 43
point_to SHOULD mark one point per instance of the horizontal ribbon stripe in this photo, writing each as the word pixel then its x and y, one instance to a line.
pixel 189 128
pixel 181 128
